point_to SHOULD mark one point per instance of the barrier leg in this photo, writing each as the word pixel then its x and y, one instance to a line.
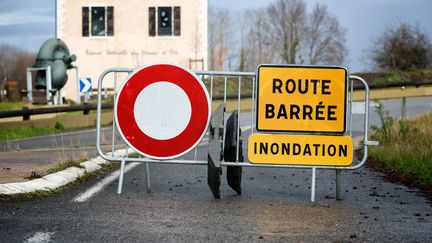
pixel 313 184
pixel 338 185
pixel 147 169
pixel 120 184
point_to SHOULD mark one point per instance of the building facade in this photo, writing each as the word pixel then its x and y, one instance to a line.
pixel 131 34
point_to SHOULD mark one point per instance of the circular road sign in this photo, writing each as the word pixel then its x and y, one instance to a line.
pixel 162 111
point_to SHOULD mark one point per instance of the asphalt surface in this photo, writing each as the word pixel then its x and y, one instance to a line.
pixel 73 139
pixel 274 206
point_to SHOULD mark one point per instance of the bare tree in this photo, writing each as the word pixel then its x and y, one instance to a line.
pixel 24 59
pixel 196 43
pixel 325 38
pixel 288 28
pixel 13 64
pixel 284 32
pixel 7 63
pixel 220 39
pixel 257 46
pixel 401 48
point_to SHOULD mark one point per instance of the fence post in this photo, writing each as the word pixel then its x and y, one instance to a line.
pixel 26 115
pixel 29 86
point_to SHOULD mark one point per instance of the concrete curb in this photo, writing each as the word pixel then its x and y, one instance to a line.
pixel 57 179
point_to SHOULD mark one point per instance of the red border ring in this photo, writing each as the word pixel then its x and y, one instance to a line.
pixel 195 129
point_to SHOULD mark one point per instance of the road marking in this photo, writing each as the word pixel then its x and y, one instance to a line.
pixel 100 185
pixel 40 237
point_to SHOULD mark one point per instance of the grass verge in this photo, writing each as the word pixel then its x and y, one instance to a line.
pixel 24 132
pixel 7 106
pixel 405 149
pixel 65 165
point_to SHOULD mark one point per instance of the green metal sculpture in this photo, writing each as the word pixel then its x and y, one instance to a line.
pixel 53 53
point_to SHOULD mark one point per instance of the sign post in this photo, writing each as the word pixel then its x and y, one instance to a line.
pixel 86 88
pixel 309 101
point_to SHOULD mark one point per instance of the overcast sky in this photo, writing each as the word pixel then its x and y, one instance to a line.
pixel 28 23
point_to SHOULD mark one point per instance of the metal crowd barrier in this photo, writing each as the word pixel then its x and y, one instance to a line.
pixel 239 78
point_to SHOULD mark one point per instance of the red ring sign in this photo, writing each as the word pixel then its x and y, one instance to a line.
pixel 162 111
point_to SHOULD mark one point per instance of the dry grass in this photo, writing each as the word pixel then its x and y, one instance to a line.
pixel 406 148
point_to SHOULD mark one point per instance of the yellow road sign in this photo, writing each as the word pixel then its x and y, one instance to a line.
pixel 300 149
pixel 301 98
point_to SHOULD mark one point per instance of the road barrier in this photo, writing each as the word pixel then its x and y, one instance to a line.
pixel 224 139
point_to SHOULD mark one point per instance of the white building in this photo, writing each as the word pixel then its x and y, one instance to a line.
pixel 131 33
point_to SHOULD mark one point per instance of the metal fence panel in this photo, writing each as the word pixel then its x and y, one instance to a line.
pixel 240 85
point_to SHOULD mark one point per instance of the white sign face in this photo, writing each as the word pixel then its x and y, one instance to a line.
pixel 162 110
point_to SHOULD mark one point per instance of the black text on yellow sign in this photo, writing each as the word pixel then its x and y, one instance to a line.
pixel 306 99
pixel 300 149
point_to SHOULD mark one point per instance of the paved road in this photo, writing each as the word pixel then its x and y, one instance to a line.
pixel 274 206
pixel 74 139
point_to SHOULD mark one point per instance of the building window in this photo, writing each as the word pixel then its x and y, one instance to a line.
pixel 164 21
pixel 98 21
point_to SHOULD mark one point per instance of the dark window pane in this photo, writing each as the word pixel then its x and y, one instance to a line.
pixel 164 19
pixel 98 21
pixel 177 21
pixel 152 21
pixel 85 21
pixel 110 21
